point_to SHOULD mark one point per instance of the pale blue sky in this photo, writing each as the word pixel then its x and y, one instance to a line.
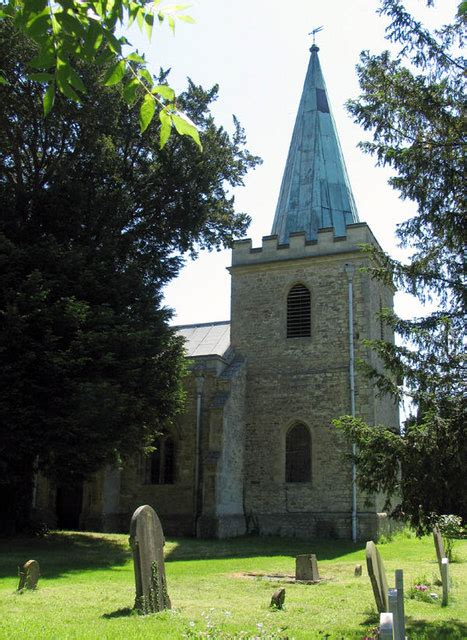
pixel 257 52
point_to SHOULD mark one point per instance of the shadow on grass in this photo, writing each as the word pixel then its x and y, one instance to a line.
pixel 438 630
pixel 255 546
pixel 120 613
pixel 59 553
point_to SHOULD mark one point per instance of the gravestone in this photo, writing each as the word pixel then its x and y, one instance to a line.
pixel 439 545
pixel 147 542
pixel 377 575
pixel 306 568
pixel 386 626
pixel 399 575
pixel 445 581
pixel 29 575
pixel 278 598
pixel 358 570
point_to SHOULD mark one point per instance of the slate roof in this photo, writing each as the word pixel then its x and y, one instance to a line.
pixel 315 191
pixel 210 338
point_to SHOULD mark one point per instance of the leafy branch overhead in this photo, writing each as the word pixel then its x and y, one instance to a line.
pixel 67 32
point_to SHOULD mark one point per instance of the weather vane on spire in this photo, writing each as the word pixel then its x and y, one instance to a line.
pixel 314 32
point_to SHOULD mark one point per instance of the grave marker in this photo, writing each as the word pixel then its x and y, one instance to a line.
pixel 377 575
pixel 439 545
pixel 147 542
pixel 306 568
pixel 399 575
pixel 386 626
pixel 29 575
pixel 358 570
pixel 278 598
pixel 445 581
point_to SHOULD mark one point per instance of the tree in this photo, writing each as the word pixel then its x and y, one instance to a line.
pixel 413 105
pixel 70 31
pixel 94 220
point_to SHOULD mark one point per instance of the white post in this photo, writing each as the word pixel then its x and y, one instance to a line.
pixel 445 581
pixel 393 598
pixel 386 626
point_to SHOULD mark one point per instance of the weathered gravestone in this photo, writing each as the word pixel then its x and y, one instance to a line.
pixel 377 577
pixel 147 542
pixel 278 597
pixel 386 626
pixel 439 546
pixel 306 568
pixel 29 575
pixel 358 570
pixel 445 581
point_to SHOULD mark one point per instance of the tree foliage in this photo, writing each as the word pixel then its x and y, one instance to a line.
pixel 67 32
pixel 94 220
pixel 413 105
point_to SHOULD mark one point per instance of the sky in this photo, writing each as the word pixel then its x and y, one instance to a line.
pixel 258 52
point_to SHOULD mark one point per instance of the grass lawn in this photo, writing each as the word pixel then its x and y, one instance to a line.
pixel 87 590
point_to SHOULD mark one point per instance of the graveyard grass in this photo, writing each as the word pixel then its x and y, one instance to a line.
pixel 86 590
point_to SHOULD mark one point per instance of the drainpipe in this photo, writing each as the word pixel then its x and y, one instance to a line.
pixel 350 270
pixel 199 379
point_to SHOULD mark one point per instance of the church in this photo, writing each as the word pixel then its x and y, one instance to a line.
pixel 255 450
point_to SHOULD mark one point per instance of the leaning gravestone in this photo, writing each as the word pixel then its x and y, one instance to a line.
pixel 377 576
pixel 439 546
pixel 29 575
pixel 306 568
pixel 278 598
pixel 147 542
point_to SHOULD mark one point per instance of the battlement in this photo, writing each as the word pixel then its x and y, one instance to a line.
pixel 327 243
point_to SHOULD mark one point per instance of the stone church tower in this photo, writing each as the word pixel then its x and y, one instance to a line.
pixel 256 450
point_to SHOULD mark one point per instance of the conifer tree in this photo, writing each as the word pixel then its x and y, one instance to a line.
pixel 413 105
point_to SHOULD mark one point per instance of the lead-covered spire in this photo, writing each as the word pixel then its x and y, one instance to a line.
pixel 315 191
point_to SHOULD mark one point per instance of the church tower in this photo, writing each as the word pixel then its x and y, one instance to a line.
pixel 301 306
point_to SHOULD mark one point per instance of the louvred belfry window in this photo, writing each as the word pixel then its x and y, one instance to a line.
pixel 298 312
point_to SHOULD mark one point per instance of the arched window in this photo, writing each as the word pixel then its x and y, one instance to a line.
pixel 298 312
pixel 298 454
pixel 160 467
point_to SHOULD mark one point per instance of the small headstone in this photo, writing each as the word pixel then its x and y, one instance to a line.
pixel 278 598
pixel 306 568
pixel 29 575
pixel 399 576
pixel 377 575
pixel 439 545
pixel 445 581
pixel 386 626
pixel 358 570
pixel 147 542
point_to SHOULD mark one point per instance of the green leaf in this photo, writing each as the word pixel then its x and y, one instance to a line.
pixel 165 91
pixel 48 99
pixel 41 77
pixel 146 112
pixel 45 59
pixel 115 73
pixel 135 57
pixel 75 80
pixel 144 73
pixel 462 9
pixel 3 80
pixel 166 127
pixel 140 18
pixel 38 25
pixel 93 38
pixel 188 19
pixel 129 91
pixel 149 24
pixel 186 128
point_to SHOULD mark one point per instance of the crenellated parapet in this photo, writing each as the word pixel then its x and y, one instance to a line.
pixel 327 243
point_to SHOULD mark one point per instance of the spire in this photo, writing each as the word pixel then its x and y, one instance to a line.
pixel 315 191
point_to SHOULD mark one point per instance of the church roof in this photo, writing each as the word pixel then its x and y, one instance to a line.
pixel 207 339
pixel 315 191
